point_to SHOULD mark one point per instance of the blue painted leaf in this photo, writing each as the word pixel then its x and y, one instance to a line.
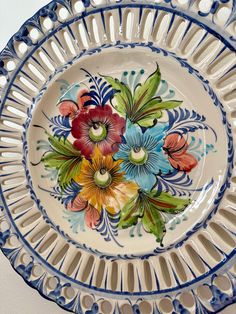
pixel 108 226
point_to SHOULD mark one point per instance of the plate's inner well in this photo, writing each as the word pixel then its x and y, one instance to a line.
pixel 127 151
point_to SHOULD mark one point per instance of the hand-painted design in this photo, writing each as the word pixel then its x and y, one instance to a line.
pixel 108 226
pixel 141 105
pixel 136 230
pixel 176 221
pixel 76 220
pixel 219 299
pixel 118 164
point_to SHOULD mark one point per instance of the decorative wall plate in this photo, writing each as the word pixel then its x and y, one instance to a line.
pixel 117 155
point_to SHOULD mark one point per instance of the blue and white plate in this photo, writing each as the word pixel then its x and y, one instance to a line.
pixel 117 140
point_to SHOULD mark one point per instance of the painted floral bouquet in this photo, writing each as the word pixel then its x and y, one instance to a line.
pixel 116 162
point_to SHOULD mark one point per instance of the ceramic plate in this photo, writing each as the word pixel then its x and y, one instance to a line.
pixel 117 155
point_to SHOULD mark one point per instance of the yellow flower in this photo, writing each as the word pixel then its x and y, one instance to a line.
pixel 103 185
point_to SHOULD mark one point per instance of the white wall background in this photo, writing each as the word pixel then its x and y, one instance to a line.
pixel 15 296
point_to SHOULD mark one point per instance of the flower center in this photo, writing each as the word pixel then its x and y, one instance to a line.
pixel 102 178
pixel 98 132
pixel 138 155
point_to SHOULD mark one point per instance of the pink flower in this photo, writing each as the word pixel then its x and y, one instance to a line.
pixel 175 146
pixel 91 213
pixel 98 127
pixel 72 109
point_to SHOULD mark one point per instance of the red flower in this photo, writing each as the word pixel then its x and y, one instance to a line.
pixel 175 146
pixel 91 213
pixel 72 109
pixel 98 126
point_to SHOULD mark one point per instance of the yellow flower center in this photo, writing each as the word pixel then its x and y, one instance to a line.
pixel 102 178
pixel 98 132
pixel 138 155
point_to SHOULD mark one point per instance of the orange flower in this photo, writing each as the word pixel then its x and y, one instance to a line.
pixel 103 185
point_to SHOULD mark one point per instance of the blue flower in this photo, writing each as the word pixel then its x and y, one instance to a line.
pixel 142 155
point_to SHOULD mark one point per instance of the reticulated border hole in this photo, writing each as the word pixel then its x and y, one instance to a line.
pixel 28 84
pixel 22 48
pixel 25 259
pixel 223 234
pixel 204 292
pixel 74 264
pixel 95 31
pixel 45 245
pixel 223 283
pixel 69 293
pixel 210 248
pixel 179 267
pixel 130 277
pixel 69 43
pixel 230 216
pixel 79 6
pixel 112 28
pixel 100 273
pixel 13 241
pixel 46 61
pixel 36 72
pixel 57 52
pixel 196 260
pixel 34 34
pixel 3 81
pixel 222 14
pixel 87 301
pixel 16 111
pixel 32 219
pixel 106 307
pixel 52 283
pixel 42 232
pixel 187 299
pixel 114 275
pixel 97 2
pixel 145 307
pixel 126 309
pixel 83 35
pixel 21 98
pixel 165 271
pixel 11 65
pixel 166 305
pixel 47 23
pixel 88 268
pixel 37 271
pixel 205 5
pixel 10 140
pixel 63 14
pixel 60 254
pixel 147 275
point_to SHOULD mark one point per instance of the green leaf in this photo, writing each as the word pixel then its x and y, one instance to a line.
pixel 62 146
pixel 148 207
pixel 53 160
pixel 169 104
pixel 64 158
pixel 153 110
pixel 123 96
pixel 146 91
pixel 149 120
pixel 69 171
pixel 153 223
pixel 130 213
pixel 167 203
